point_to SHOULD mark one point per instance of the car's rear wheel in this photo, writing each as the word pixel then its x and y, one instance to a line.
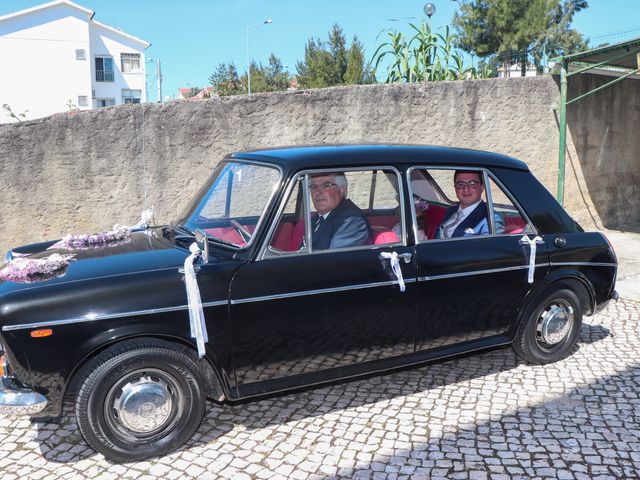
pixel 550 325
pixel 140 399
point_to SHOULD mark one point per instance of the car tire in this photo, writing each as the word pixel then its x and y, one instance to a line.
pixel 140 399
pixel 550 325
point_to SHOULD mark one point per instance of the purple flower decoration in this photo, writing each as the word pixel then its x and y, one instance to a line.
pixel 118 234
pixel 28 270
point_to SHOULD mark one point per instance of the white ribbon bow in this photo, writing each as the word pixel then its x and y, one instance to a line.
pixel 196 314
pixel 532 242
pixel 395 266
pixel 145 218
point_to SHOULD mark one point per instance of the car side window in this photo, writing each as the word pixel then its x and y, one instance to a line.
pixel 289 234
pixel 508 219
pixel 449 203
pixel 347 209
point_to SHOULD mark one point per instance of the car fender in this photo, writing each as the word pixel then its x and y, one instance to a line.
pixel 170 333
pixel 553 277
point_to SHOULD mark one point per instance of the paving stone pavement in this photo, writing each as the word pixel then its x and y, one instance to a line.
pixel 482 416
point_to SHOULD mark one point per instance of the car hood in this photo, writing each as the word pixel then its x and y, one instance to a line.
pixel 147 250
pixel 141 273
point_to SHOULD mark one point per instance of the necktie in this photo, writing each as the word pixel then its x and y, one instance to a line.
pixel 449 226
pixel 319 222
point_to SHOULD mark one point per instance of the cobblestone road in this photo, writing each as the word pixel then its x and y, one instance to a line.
pixel 480 416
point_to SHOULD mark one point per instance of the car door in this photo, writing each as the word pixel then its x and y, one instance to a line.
pixel 299 315
pixel 470 287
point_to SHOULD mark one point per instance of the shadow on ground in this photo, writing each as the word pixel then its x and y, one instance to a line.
pixel 60 439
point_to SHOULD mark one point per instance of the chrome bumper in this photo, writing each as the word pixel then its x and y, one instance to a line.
pixel 15 399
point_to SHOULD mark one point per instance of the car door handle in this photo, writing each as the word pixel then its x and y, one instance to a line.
pixel 560 242
pixel 404 256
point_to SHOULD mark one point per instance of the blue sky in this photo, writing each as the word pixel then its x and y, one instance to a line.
pixel 191 37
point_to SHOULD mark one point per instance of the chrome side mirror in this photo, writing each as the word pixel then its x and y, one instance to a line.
pixel 203 244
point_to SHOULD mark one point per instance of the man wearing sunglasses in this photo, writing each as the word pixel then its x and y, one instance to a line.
pixel 469 217
pixel 339 222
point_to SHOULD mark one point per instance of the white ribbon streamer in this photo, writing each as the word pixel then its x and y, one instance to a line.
pixel 196 314
pixel 395 266
pixel 532 242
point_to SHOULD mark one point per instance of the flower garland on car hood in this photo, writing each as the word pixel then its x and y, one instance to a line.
pixel 23 269
pixel 29 270
pixel 117 234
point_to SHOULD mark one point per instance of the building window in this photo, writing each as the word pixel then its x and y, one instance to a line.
pixel 131 96
pixel 81 54
pixel 130 62
pixel 104 102
pixel 104 69
pixel 82 101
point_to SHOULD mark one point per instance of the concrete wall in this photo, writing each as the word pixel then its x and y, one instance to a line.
pixel 83 173
pixel 605 129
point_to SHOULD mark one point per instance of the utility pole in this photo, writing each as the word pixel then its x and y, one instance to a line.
pixel 159 73
pixel 158 76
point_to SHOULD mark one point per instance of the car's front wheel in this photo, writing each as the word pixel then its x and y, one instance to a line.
pixel 140 399
pixel 550 325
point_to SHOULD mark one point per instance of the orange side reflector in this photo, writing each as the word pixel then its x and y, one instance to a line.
pixel 43 332
pixel 2 366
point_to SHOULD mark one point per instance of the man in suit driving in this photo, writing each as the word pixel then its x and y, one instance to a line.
pixel 339 222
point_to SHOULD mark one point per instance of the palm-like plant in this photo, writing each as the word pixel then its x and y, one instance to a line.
pixel 426 56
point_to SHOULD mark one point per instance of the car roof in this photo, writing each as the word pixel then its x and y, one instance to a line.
pixel 323 156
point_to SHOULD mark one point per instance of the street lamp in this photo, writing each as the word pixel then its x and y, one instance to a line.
pixel 429 9
pixel 267 21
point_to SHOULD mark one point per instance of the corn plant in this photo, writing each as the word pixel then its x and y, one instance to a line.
pixel 426 56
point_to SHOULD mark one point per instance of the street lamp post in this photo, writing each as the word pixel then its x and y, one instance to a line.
pixel 267 21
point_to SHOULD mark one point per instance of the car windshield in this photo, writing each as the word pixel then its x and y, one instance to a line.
pixel 231 206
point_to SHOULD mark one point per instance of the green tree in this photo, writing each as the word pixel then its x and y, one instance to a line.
pixel 333 63
pixel 226 81
pixel 513 29
pixel 264 78
pixel 357 70
pixel 270 78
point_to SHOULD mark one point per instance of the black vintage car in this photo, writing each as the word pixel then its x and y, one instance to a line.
pixel 398 278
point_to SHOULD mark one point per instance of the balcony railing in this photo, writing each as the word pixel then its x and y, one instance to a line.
pixel 104 75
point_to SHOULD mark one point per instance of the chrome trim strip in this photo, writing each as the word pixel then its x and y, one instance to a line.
pixel 479 272
pixel 346 288
pixel 91 318
pixel 589 264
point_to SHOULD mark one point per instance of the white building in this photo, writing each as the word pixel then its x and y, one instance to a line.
pixel 55 57
pixel 515 70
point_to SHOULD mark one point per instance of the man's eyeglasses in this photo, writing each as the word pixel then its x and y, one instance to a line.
pixel 321 186
pixel 473 184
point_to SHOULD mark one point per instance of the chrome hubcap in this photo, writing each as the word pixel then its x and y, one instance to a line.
pixel 144 405
pixel 555 323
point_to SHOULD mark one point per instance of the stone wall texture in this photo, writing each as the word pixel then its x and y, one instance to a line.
pixel 84 172
pixel 602 127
